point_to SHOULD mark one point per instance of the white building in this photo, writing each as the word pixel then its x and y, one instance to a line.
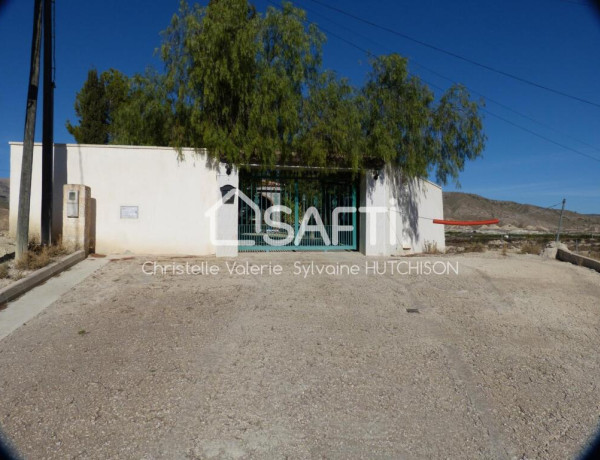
pixel 146 201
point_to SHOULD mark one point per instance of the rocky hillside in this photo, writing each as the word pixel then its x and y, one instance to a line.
pixel 4 192
pixel 4 196
pixel 467 206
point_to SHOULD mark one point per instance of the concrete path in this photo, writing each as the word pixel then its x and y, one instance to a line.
pixel 21 310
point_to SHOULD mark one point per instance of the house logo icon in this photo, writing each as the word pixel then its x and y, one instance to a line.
pixel 229 193
pixel 272 218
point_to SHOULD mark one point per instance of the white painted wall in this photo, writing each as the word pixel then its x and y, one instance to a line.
pixel 227 217
pixel 412 205
pixel 172 195
pixel 374 226
pixel 16 154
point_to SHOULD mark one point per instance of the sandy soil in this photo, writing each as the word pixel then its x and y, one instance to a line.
pixel 501 361
pixel 7 244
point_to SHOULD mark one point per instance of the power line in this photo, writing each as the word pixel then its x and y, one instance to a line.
pixel 541 136
pixel 534 133
pixel 573 2
pixel 517 112
pixel 530 131
pixel 527 130
pixel 457 56
pixel 530 118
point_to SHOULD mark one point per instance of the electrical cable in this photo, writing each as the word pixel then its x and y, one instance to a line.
pixel 534 133
pixel 428 69
pixel 458 56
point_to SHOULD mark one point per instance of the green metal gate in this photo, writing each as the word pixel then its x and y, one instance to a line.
pixel 308 196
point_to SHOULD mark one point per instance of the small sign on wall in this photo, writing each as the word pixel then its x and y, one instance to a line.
pixel 129 212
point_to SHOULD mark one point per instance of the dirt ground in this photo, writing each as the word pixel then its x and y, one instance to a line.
pixel 500 361
pixel 7 244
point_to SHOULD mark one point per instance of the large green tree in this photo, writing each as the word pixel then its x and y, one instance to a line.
pixel 92 111
pixel 96 106
pixel 331 131
pixel 144 117
pixel 239 78
pixel 404 125
pixel 251 89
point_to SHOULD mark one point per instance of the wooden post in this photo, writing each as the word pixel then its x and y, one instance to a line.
pixel 560 220
pixel 48 128
pixel 27 161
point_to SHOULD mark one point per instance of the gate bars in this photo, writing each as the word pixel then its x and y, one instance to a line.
pixel 299 191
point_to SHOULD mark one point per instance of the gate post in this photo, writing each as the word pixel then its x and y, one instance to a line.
pixel 227 213
pixel 77 217
pixel 374 194
pixel 355 231
pixel 296 213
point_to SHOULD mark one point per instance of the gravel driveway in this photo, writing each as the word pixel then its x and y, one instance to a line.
pixel 499 361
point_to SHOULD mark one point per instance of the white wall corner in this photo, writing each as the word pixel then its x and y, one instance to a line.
pixel 227 214
pixel 374 226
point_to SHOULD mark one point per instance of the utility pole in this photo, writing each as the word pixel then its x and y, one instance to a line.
pixel 560 220
pixel 27 161
pixel 48 127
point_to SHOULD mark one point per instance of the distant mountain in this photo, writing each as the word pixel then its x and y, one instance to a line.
pixel 4 196
pixel 4 192
pixel 468 206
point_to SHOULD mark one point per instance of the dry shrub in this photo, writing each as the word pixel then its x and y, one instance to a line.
pixel 34 243
pixel 57 250
pixel 33 260
pixel 3 271
pixel 594 255
pixel 531 248
pixel 475 247
pixel 39 256
pixel 430 247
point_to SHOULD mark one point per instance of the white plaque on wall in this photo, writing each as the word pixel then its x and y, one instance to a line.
pixel 129 212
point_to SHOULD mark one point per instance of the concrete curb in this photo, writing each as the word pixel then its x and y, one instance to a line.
pixel 20 287
pixel 568 256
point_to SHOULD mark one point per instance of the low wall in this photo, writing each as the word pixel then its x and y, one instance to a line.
pixel 21 286
pixel 146 201
pixel 408 225
pixel 568 256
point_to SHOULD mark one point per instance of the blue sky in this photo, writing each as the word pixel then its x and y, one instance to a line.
pixel 552 42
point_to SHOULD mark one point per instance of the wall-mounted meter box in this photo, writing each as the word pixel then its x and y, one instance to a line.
pixel 77 213
pixel 73 203
pixel 225 189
